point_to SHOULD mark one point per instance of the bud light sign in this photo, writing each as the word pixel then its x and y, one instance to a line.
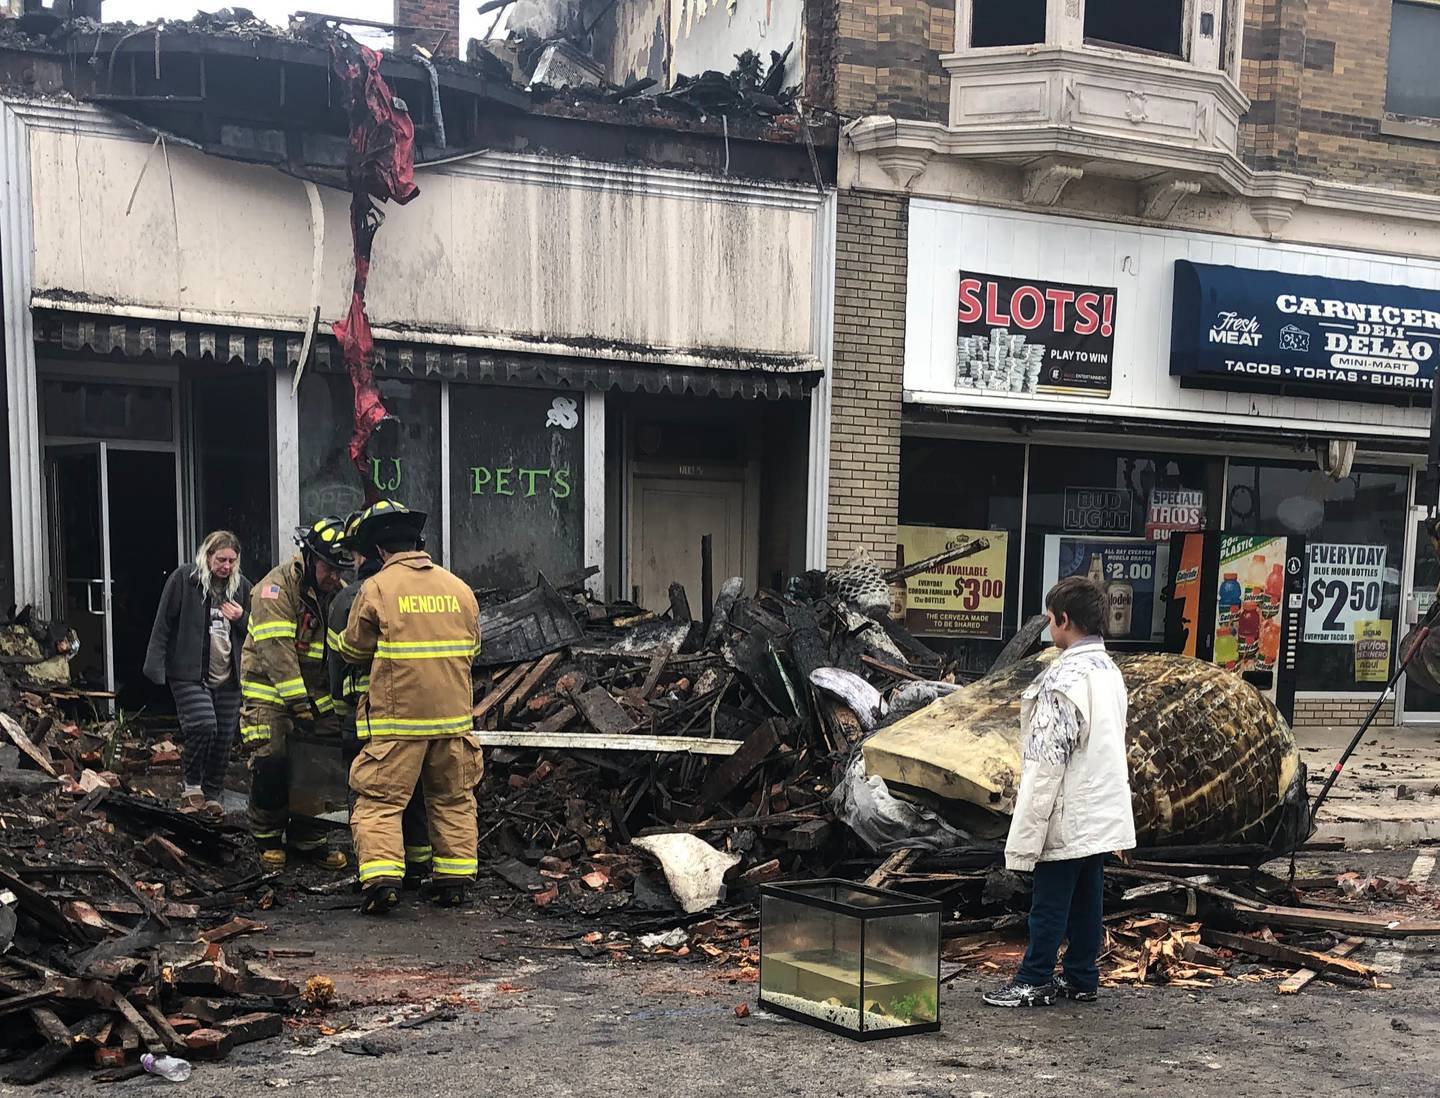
pixel 1025 337
pixel 1268 328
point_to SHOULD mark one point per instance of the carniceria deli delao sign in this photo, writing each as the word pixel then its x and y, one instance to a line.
pixel 1353 339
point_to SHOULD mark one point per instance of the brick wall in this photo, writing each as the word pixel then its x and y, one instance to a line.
pixel 437 17
pixel 822 19
pixel 888 58
pixel 1315 71
pixel 1340 712
pixel 869 356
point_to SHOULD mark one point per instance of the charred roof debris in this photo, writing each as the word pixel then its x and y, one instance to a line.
pixel 236 86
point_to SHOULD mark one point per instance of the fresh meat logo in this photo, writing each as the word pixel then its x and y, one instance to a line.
pixel 1029 307
pixel 1232 327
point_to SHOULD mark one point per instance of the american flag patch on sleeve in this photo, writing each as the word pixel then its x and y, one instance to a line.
pixel 270 592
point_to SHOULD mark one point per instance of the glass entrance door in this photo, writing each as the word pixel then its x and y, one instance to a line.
pixel 1419 706
pixel 80 555
pixel 113 525
pixel 113 502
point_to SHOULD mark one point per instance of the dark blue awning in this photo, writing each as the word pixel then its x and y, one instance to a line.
pixel 1356 340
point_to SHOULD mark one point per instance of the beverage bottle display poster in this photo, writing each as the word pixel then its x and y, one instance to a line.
pixel 1187 589
pixel 965 598
pixel 1131 572
pixel 1248 603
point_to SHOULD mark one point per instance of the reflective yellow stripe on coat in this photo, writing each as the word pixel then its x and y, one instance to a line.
pixel 424 650
pixel 261 692
pixel 254 733
pixel 427 726
pixel 272 629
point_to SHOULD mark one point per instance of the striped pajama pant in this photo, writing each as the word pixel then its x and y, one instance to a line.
pixel 209 720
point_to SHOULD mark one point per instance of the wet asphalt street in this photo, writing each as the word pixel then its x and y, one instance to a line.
pixel 520 1014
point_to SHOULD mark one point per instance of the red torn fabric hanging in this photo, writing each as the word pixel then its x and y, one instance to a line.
pixel 381 166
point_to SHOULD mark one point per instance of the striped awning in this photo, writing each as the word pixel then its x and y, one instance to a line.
pixel 141 340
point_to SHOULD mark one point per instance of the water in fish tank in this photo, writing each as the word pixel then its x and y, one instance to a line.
pixel 854 957
pixel 826 984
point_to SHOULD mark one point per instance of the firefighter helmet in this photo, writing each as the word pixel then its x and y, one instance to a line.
pixel 324 539
pixel 380 520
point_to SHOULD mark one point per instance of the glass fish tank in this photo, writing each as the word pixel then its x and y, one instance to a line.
pixel 858 961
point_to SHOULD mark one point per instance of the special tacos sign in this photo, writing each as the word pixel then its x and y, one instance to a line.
pixel 1267 328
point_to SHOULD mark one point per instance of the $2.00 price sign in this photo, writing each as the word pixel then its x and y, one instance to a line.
pixel 1347 585
pixel 965 598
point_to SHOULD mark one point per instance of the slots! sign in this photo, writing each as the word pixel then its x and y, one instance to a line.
pixel 1031 337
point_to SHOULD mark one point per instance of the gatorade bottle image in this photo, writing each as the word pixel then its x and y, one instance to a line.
pixel 1230 592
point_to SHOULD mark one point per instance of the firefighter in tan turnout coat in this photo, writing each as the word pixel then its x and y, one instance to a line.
pixel 417 627
pixel 283 685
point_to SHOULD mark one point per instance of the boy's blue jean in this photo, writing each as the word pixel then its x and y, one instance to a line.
pixel 1067 905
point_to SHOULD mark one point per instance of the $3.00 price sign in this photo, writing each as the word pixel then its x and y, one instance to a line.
pixel 965 598
pixel 1347 585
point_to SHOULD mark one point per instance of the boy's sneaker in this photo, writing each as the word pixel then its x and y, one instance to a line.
pixel 1016 994
pixel 1066 990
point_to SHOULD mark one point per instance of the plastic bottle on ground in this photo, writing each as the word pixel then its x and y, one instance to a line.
pixel 171 1067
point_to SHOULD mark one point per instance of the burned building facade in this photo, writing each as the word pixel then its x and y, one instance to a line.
pixel 601 329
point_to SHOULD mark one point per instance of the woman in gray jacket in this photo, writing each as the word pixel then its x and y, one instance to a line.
pixel 195 647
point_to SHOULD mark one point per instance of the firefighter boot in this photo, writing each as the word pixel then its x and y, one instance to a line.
pixel 379 899
pixel 445 893
pixel 326 859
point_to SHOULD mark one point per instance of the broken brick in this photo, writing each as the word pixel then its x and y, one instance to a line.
pixel 78 911
pixel 253 1027
pixel 209 1044
pixel 109 1057
pixel 165 853
pixel 208 976
pixel 263 980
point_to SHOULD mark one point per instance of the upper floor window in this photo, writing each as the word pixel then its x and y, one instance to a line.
pixel 1156 26
pixel 1007 23
pixel 1412 86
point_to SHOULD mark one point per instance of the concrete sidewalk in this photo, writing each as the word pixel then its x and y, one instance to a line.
pixel 1389 792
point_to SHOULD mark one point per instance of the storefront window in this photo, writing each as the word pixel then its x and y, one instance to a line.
pixel 517 461
pixel 949 487
pixel 1355 538
pixel 232 477
pixel 1109 514
pixel 409 471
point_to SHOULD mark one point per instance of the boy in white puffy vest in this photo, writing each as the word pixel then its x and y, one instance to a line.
pixel 1073 807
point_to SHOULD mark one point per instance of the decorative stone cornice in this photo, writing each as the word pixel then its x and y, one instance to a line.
pixel 1271 197
pixel 903 164
pixel 1045 181
pixel 1159 199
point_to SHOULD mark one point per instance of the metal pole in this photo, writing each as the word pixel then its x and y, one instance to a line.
pixel 1422 634
pixel 707 579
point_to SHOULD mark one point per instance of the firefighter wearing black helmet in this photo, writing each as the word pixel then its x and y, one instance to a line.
pixel 349 682
pixel 283 684
pixel 417 628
